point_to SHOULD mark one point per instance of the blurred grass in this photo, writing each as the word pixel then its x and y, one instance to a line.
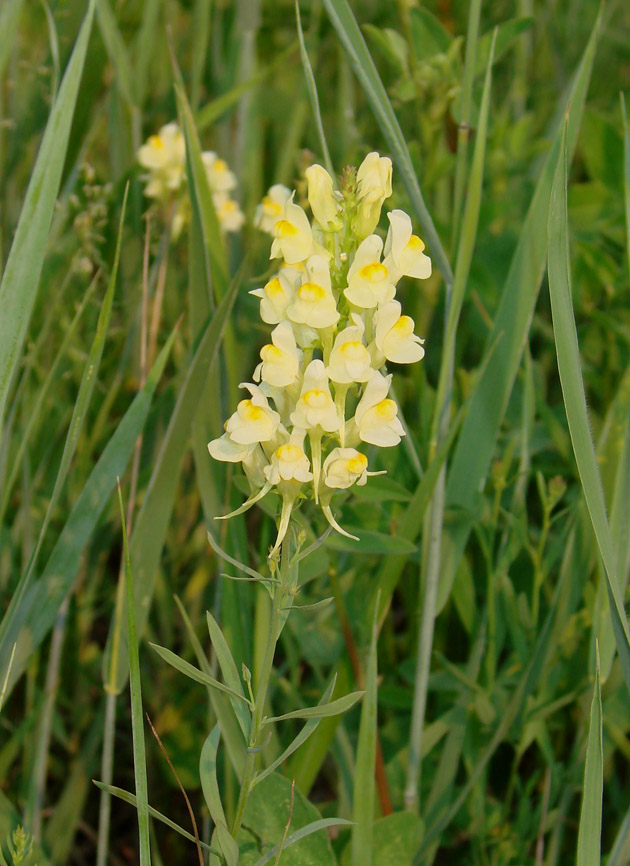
pixel 522 589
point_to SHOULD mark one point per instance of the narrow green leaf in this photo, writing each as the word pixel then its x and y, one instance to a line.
pixel 570 371
pixel 29 621
pixel 117 51
pixel 321 711
pixel 146 45
pixel 344 22
pixel 590 830
pixel 137 717
pixel 127 797
pixel 9 23
pixel 322 824
pixel 210 787
pixel 208 775
pixel 230 729
pixel 20 280
pixel 217 278
pixel 302 737
pixel 194 673
pixel 230 674
pixel 311 87
pixel 364 778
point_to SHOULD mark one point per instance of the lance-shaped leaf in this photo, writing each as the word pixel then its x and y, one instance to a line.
pixel 195 674
pixel 570 371
pixel 210 788
pixel 302 737
pixel 321 711
pixel 20 280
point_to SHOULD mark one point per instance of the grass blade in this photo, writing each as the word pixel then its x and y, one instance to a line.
pixel 127 797
pixel 570 370
pixel 210 788
pixel 137 718
pixel 590 831
pixel 20 280
pixel 364 778
pixel 475 447
pixel 344 22
pixel 311 87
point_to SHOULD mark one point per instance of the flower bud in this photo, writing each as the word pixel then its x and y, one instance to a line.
pixel 322 199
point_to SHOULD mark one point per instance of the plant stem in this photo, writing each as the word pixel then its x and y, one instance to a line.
pixel 279 591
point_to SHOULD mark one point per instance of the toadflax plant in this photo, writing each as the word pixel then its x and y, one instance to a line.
pixel 337 323
pixel 319 393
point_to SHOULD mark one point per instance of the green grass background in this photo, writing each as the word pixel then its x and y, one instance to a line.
pixel 495 554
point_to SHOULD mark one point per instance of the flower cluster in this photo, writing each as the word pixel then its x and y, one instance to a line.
pixel 163 156
pixel 320 390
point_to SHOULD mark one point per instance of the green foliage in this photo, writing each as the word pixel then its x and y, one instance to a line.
pixel 502 520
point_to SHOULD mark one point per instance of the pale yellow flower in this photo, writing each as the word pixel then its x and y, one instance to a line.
pixel 229 214
pixel 271 208
pixel 404 251
pixel 344 467
pixel 277 295
pixel 280 359
pixel 322 199
pixel 220 178
pixel 254 419
pixel 288 463
pixel 350 360
pixel 376 416
pixel 315 409
pixel 394 336
pixel 369 281
pixel 163 156
pixel 293 235
pixel 314 304
pixel 374 185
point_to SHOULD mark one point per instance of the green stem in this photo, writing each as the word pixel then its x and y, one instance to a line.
pixel 275 627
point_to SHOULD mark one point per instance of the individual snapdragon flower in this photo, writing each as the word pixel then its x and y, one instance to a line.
pixel 374 185
pixel 376 415
pixel 293 235
pixel 254 419
pixel 350 360
pixel 271 208
pixel 322 199
pixel 163 156
pixel 394 337
pixel 220 178
pixel 229 214
pixel 277 294
pixel 288 471
pixel 369 281
pixel 404 251
pixel 316 412
pixel 314 303
pixel 281 358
